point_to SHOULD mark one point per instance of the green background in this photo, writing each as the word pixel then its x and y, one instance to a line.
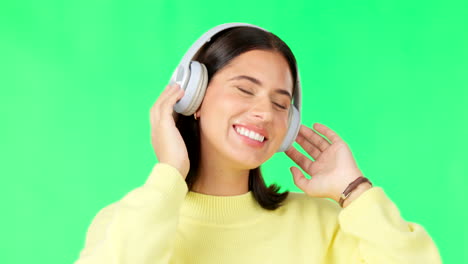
pixel 78 78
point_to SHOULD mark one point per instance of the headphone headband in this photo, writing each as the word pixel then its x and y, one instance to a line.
pixel 206 37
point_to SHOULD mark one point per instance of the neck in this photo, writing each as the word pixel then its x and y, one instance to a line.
pixel 215 177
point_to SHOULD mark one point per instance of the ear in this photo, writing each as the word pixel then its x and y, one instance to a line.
pixel 197 113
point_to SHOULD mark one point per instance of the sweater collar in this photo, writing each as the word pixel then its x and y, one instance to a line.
pixel 223 210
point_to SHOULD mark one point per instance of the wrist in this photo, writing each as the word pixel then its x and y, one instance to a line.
pixel 360 189
pixel 347 179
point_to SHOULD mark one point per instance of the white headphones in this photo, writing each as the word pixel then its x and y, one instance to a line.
pixel 192 76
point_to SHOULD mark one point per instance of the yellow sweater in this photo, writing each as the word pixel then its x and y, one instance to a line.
pixel 161 222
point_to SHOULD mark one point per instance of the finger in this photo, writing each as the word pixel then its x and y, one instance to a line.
pixel 162 96
pixel 173 92
pixel 330 134
pixel 314 138
pixel 299 179
pixel 167 94
pixel 167 106
pixel 162 103
pixel 299 158
pixel 310 148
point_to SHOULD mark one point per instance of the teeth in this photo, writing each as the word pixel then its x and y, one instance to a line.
pixel 245 132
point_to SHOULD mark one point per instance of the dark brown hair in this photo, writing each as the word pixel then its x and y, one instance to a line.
pixel 216 54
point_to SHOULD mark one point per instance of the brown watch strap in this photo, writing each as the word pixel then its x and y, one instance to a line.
pixel 351 187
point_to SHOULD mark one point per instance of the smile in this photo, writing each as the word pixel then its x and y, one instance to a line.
pixel 249 133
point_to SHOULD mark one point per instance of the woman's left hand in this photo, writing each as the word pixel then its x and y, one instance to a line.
pixel 334 167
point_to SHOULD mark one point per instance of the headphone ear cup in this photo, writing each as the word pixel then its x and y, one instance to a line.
pixel 194 91
pixel 293 129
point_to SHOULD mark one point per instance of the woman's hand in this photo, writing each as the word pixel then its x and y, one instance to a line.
pixel 165 137
pixel 334 167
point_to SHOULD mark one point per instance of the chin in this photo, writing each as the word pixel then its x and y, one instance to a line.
pixel 248 160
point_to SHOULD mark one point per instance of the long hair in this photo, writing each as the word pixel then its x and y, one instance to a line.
pixel 223 47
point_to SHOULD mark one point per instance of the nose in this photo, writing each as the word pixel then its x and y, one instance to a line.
pixel 262 110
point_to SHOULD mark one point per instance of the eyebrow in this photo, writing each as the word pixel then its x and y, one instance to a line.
pixel 258 82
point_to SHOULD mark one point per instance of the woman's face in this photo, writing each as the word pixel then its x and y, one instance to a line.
pixel 244 114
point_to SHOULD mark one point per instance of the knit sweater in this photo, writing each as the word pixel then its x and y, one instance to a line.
pixel 163 222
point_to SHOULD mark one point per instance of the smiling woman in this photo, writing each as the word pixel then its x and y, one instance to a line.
pixel 206 201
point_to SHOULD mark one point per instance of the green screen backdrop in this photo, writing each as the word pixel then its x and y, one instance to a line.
pixel 78 78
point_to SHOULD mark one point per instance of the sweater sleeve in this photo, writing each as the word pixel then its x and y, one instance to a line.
pixel 141 227
pixel 370 230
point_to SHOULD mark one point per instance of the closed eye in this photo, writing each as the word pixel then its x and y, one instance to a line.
pixel 244 91
pixel 280 106
pixel 250 93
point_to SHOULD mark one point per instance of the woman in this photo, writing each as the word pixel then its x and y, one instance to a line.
pixel 206 202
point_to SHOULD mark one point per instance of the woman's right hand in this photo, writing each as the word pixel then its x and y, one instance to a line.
pixel 166 139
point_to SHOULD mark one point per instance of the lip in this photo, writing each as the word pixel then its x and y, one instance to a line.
pixel 253 128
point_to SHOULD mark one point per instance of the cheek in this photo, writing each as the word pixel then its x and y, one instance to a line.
pixel 282 119
pixel 216 104
pixel 216 112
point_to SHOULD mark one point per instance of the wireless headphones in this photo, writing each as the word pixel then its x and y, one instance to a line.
pixel 192 76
